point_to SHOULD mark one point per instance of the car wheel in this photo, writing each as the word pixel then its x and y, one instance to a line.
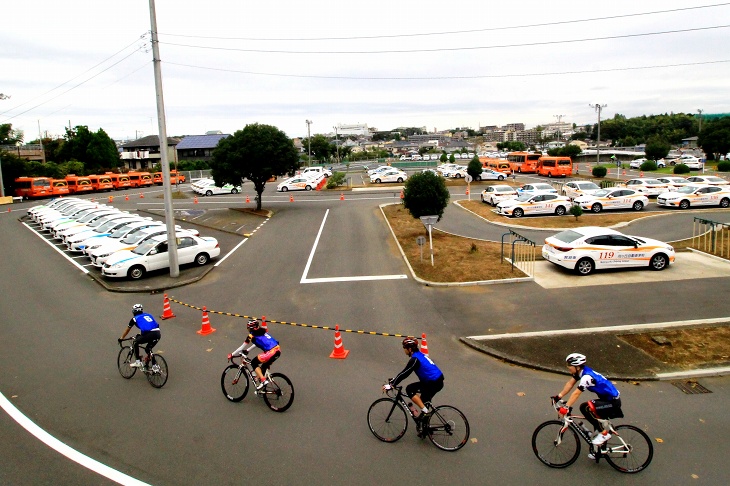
pixel 518 213
pixel 519 169
pixel 500 178
pixel 201 259
pixel 638 206
pixel 308 188
pixel 658 262
pixel 136 272
pixel 550 175
pixel 400 179
pixel 377 181
pixel 208 193
pixel 724 202
pixel 584 266
pixel 560 211
pixel 284 189
pixel 478 178
pixel 457 176
pixel 234 191
pixel 596 208
pixel 684 204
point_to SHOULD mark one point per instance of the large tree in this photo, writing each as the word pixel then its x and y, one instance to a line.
pixel 656 148
pixel 8 136
pixel 256 153
pixel 95 149
pixel 715 137
pixel 322 148
pixel 425 194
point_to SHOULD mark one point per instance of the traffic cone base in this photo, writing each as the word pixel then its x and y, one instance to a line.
pixel 339 352
pixel 166 310
pixel 205 327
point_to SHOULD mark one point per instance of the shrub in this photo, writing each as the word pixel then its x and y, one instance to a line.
pixel 336 179
pixel 723 166
pixel 576 211
pixel 648 165
pixel 681 169
pixel 599 171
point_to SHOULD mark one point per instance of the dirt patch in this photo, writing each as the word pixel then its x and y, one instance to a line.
pixel 685 348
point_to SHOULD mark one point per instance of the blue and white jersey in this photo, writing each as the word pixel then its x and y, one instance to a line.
pixel 263 341
pixel 597 383
pixel 145 322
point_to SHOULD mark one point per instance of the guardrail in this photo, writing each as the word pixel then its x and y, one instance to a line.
pixel 711 237
pixel 522 252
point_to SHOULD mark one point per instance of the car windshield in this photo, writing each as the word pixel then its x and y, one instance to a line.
pixel 503 189
pixel 120 232
pixel 543 187
pixel 525 197
pixel 145 247
pixel 715 179
pixel 135 236
pixel 587 186
pixel 602 192
pixel 103 228
pixel 687 189
pixel 568 236
pixel 652 181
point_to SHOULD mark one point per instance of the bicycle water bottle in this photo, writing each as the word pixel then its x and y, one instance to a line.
pixel 414 409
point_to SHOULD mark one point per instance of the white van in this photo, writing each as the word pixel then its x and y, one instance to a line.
pixel 316 170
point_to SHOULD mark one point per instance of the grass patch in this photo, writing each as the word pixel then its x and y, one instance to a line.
pixel 685 347
pixel 456 259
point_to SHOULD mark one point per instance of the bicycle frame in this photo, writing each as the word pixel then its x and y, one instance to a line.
pixel 569 421
pixel 246 365
pixel 400 398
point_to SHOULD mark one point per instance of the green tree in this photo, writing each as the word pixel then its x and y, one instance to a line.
pixel 322 148
pixel 656 148
pixel 12 167
pixel 715 137
pixel 95 149
pixel 513 146
pixel 443 157
pixel 452 159
pixel 474 168
pixel 8 136
pixel 425 194
pixel 255 153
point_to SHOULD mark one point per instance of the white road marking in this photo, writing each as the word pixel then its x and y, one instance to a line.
pixel 56 248
pixel 305 280
pixel 230 252
pixel 67 451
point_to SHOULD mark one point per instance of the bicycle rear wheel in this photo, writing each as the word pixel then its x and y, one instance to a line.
pixel 279 393
pixel 124 358
pixel 387 420
pixel 546 448
pixel 447 428
pixel 157 371
pixel 629 451
pixel 234 383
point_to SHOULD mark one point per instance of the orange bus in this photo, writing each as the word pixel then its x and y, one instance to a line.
pixel 101 182
pixel 77 184
pixel 139 179
pixel 119 181
pixel 524 162
pixel 175 178
pixel 500 165
pixel 555 166
pixel 59 187
pixel 28 187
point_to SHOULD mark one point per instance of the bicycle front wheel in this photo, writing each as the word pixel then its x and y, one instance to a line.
pixel 157 371
pixel 279 393
pixel 387 420
pixel 553 448
pixel 124 358
pixel 629 451
pixel 447 428
pixel 234 383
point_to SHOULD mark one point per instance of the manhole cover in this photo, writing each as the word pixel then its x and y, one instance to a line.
pixel 690 387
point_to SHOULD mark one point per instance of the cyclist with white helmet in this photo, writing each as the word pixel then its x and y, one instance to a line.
pixel 608 404
pixel 430 376
pixel 259 337
pixel 149 332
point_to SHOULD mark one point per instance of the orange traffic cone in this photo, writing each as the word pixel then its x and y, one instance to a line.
pixel 195 200
pixel 8 209
pixel 424 344
pixel 291 198
pixel 141 196
pixel 126 198
pixel 205 328
pixel 401 194
pixel 264 326
pixel 624 171
pixel 467 191
pixel 111 198
pixel 339 352
pixel 342 196
pixel 247 199
pixel 166 310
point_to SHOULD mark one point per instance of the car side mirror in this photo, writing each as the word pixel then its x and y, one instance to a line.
pixel 153 251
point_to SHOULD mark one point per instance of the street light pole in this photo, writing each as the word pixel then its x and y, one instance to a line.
pixel 700 112
pixel 337 145
pixel 598 108
pixel 309 142
pixel 557 129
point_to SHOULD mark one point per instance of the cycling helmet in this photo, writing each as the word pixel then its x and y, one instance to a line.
pixel 410 343
pixel 575 359
pixel 137 309
pixel 253 324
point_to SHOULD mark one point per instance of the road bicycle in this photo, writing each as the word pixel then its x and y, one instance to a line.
pixel 154 365
pixel 445 426
pixel 556 443
pixel 237 377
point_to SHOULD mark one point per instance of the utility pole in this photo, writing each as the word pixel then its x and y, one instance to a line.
pixel 309 142
pixel 598 109
pixel 700 112
pixel 337 145
pixel 559 117
pixel 167 191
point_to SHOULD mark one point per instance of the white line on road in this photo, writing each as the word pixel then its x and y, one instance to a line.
pixel 230 252
pixel 62 448
pixel 56 248
pixel 305 280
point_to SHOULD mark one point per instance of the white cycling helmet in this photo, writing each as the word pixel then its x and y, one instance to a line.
pixel 137 309
pixel 575 359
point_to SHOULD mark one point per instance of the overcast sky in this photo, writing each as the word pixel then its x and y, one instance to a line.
pixel 386 64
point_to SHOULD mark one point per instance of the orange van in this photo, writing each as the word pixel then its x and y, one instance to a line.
pixel 78 184
pixel 28 187
pixel 119 181
pixel 500 165
pixel 157 178
pixel 555 166
pixel 59 187
pixel 139 179
pixel 101 182
pixel 523 162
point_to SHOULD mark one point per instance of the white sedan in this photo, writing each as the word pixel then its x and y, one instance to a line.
pixel 593 248
pixel 152 255
pixel 699 195
pixel 612 198
pixel 714 180
pixel 209 189
pixel 575 189
pixel 673 182
pixel 646 185
pixel 499 192
pixel 534 203
pixel 491 175
pixel 535 188
pixel 98 256
pixel 393 175
pixel 297 183
pixel 77 242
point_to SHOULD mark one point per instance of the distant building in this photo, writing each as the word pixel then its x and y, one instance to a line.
pixel 357 129
pixel 199 147
pixel 145 152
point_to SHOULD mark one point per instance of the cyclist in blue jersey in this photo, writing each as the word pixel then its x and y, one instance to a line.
pixel 608 404
pixel 260 338
pixel 430 376
pixel 149 332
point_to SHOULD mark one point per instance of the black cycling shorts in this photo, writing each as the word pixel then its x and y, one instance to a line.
pixel 427 389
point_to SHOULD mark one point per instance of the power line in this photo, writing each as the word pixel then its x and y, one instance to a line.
pixel 411 78
pixel 442 49
pixel 471 31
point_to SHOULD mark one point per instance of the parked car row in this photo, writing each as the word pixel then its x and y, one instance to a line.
pixel 120 243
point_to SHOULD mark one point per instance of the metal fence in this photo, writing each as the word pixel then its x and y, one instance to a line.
pixel 711 237
pixel 522 252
